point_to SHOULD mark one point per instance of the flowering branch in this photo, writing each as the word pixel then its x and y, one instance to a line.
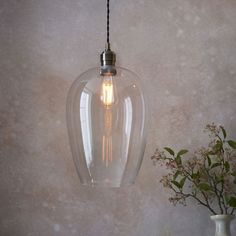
pixel 208 176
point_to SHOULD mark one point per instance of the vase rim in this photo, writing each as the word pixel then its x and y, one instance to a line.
pixel 222 216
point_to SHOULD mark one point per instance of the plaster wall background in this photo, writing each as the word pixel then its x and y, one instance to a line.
pixel 185 53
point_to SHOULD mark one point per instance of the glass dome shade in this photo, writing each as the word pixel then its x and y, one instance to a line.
pixel 106 119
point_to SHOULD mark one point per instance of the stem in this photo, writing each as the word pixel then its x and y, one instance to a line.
pixel 207 204
pixel 232 212
pixel 214 186
pixel 197 199
pixel 202 203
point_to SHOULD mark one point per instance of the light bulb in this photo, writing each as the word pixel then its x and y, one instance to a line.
pixel 108 98
pixel 106 118
pixel 107 93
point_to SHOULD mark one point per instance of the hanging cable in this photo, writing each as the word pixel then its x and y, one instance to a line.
pixel 108 15
pixel 108 57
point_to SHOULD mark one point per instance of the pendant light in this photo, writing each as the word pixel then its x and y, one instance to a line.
pixel 106 119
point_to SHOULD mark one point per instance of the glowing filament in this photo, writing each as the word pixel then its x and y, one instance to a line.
pixel 107 95
pixel 107 138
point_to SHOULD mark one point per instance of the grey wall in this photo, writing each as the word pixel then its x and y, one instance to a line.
pixel 185 52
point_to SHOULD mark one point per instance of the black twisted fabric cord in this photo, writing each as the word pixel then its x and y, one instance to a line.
pixel 108 15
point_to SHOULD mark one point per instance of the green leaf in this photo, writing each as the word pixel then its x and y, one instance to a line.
pixel 178 160
pixel 176 174
pixel 232 202
pixel 209 160
pixel 227 199
pixel 232 144
pixel 182 152
pixel 170 151
pixel 215 165
pixel 227 166
pixel 223 131
pixel 196 175
pixel 182 181
pixel 218 145
pixel 233 173
pixel 177 184
pixel 204 187
pixel 219 179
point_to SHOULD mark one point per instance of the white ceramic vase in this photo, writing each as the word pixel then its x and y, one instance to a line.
pixel 222 223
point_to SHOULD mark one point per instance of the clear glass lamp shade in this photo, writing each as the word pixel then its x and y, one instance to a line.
pixel 106 119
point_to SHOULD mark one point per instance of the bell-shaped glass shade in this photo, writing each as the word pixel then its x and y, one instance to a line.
pixel 106 119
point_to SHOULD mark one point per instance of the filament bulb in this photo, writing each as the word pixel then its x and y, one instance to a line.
pixel 107 138
pixel 107 93
pixel 108 98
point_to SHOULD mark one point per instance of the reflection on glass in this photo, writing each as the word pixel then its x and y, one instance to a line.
pixel 128 124
pixel 86 126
